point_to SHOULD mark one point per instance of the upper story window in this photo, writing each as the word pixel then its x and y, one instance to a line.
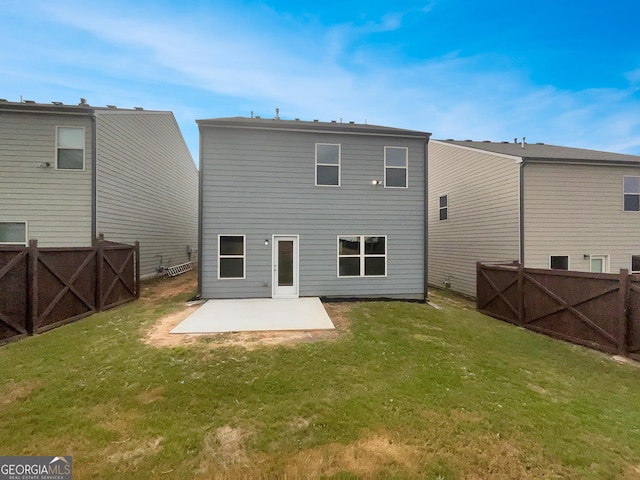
pixel 444 207
pixel 362 256
pixel 327 164
pixel 13 233
pixel 395 167
pixel 631 194
pixel 231 256
pixel 70 148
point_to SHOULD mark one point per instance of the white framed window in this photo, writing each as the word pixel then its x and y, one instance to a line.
pixel 362 256
pixel 13 233
pixel 396 167
pixel 70 148
pixel 444 207
pixel 232 253
pixel 599 263
pixel 631 193
pixel 635 264
pixel 328 164
pixel 559 262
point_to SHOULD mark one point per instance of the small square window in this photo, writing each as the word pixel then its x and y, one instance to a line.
pixel 231 256
pixel 444 207
pixel 13 233
pixel 70 148
pixel 396 167
pixel 631 192
pixel 559 262
pixel 327 165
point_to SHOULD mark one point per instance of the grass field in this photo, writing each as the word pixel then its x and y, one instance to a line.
pixel 405 390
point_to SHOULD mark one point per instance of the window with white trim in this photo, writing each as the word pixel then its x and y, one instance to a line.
pixel 70 148
pixel 362 256
pixel 635 263
pixel 559 262
pixel 13 233
pixel 631 192
pixel 444 207
pixel 396 167
pixel 231 256
pixel 327 164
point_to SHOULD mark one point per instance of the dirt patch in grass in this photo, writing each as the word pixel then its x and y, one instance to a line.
pixel 16 391
pixel 158 334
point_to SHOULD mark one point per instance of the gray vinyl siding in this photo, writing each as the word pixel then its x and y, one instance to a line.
pixel 483 214
pixel 260 183
pixel 56 204
pixel 577 210
pixel 147 187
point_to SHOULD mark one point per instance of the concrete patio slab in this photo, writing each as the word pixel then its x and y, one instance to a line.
pixel 257 314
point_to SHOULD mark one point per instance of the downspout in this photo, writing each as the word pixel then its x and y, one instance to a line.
pixel 425 220
pixel 200 182
pixel 94 177
pixel 521 201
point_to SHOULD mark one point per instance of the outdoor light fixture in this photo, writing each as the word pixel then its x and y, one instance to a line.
pixel 376 182
pixel 266 241
pixel 586 256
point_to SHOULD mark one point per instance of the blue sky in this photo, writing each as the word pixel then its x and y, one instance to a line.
pixel 563 72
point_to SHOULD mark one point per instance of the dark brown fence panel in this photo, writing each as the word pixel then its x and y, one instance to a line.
pixel 14 306
pixel 66 284
pixel 118 275
pixel 497 292
pixel 598 310
pixel 573 306
pixel 43 288
pixel 633 322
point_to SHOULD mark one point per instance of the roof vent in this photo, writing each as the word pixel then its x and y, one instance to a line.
pixel 29 101
pixel 111 106
pixel 277 114
pixel 450 140
pixel 297 119
pixel 83 102
pixel 352 122
pixel 57 103
pixel 504 142
pixel 138 108
pixel 486 141
pixel 257 116
pixel 333 121
pixel 540 143
pixel 315 120
pixel 468 140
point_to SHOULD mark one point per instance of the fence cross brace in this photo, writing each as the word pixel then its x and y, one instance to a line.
pixel 499 293
pixel 564 305
pixel 119 277
pixel 68 286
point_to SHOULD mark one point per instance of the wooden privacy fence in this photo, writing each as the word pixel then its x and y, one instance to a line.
pixel 597 310
pixel 43 288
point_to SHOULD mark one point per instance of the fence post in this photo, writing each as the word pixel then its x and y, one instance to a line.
pixel 99 274
pixel 478 269
pixel 32 281
pixel 623 311
pixel 521 316
pixel 137 269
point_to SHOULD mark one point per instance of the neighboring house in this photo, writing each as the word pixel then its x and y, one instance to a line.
pixel 293 208
pixel 70 173
pixel 543 205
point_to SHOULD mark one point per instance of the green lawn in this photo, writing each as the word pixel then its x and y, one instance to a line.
pixel 408 391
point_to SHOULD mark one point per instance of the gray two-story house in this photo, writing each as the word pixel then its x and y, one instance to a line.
pixel 294 208
pixel 70 173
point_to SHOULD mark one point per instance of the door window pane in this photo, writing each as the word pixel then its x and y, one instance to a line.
pixel 285 263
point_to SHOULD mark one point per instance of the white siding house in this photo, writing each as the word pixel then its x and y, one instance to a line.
pixel 543 205
pixel 295 208
pixel 70 173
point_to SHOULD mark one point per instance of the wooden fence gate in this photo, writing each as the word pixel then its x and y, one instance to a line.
pixel 597 310
pixel 43 288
